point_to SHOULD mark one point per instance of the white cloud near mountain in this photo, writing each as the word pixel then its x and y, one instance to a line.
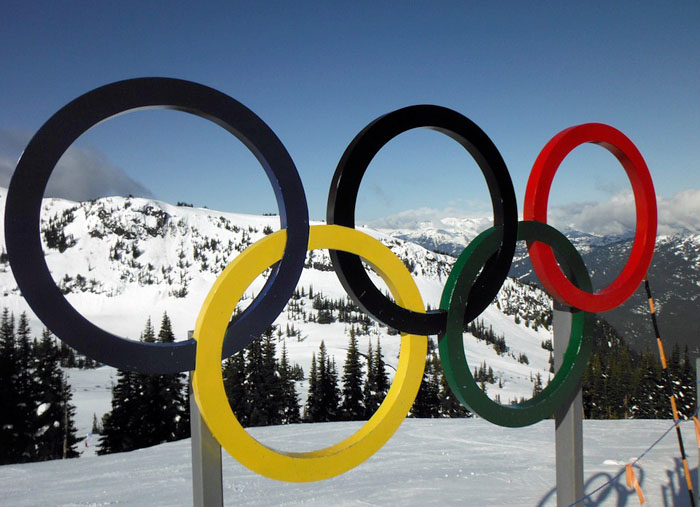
pixel 616 216
pixel 81 174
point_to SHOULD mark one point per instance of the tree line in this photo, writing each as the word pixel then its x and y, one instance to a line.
pixel 620 383
pixel 261 390
pixel 146 409
pixel 37 418
pixel 262 387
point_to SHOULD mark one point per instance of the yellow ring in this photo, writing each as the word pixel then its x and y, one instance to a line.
pixel 208 383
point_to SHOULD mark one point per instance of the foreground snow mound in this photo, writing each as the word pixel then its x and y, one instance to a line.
pixel 427 462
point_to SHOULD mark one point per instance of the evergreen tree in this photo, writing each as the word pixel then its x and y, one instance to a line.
pixel 120 425
pixel 235 386
pixel 427 403
pixel 449 405
pixel 377 380
pixel 382 378
pixel 146 409
pixel 537 387
pixel 67 355
pixel 313 394
pixel 370 388
pixel 323 403
pixel 10 422
pixel 684 389
pixel 331 392
pixel 96 425
pixel 650 400
pixel 37 423
pixel 56 436
pixel 165 414
pixel 592 387
pixel 27 389
pixel 174 390
pixel 263 383
pixel 290 398
pixel 273 393
pixel 353 407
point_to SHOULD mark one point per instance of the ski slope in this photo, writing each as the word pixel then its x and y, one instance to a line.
pixel 428 462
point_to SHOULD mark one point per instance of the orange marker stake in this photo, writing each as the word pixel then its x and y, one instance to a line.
pixel 633 483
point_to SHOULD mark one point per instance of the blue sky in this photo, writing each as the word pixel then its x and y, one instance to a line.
pixel 317 73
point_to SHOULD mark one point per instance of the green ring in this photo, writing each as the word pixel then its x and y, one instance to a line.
pixel 451 345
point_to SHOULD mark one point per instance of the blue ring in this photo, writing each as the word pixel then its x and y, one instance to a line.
pixel 26 190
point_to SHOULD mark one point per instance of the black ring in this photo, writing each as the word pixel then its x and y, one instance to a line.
pixel 342 200
pixel 23 208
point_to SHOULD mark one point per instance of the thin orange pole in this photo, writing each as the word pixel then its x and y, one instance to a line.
pixel 669 391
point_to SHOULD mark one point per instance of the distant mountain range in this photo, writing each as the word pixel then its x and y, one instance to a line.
pixel 674 276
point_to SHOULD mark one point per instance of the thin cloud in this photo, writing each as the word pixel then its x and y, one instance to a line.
pixel 614 217
pixel 679 214
pixel 80 175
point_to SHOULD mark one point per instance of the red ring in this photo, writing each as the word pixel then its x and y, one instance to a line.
pixel 537 196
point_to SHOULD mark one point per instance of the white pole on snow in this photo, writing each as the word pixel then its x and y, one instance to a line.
pixel 207 481
pixel 568 422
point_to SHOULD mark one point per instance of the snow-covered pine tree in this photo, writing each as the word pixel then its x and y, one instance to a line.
pixel 353 408
pixel 685 388
pixel 649 400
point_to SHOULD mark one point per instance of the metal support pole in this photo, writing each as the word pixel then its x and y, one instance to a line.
pixel 207 483
pixel 568 423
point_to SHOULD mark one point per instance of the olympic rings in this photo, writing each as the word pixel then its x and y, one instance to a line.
pixel 536 198
pixel 464 297
pixel 208 382
pixel 343 196
pixel 39 159
pixel 451 345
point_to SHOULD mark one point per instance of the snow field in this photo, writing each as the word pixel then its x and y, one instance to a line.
pixel 427 462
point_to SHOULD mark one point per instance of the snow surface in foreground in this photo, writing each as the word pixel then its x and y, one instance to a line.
pixel 427 462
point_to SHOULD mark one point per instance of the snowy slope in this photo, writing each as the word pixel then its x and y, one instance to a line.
pixel 122 260
pixel 427 462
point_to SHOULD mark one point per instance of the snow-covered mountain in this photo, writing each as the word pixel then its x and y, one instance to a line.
pixel 451 235
pixel 122 260
pixel 674 274
pixel 446 235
